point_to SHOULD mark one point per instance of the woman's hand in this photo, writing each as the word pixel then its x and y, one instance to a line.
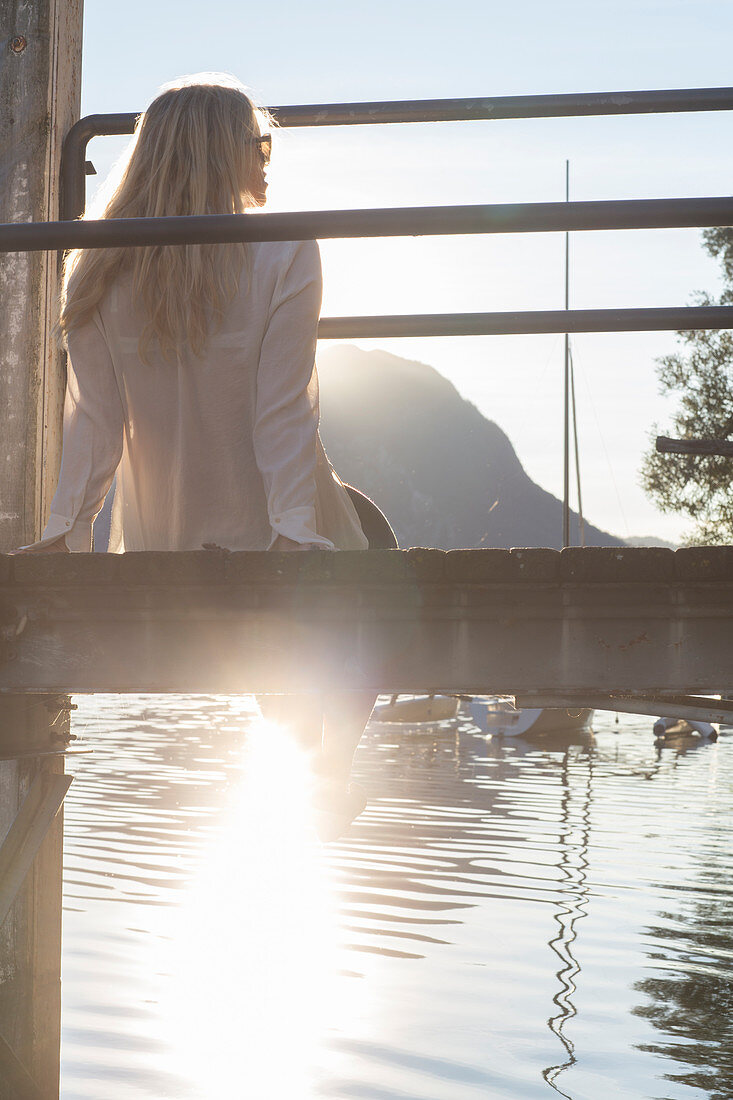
pixel 58 546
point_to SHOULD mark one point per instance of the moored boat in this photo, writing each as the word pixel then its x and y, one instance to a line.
pixel 415 709
pixel 498 714
pixel 684 727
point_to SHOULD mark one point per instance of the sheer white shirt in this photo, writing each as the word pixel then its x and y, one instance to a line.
pixel 220 449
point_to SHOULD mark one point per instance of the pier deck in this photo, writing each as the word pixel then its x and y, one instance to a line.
pixel 565 622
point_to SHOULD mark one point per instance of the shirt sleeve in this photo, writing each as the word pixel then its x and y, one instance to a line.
pixel 92 438
pixel 287 407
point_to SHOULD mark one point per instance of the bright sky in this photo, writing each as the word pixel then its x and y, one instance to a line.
pixel 412 49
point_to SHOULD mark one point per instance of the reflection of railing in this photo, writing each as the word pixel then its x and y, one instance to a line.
pixel 500 218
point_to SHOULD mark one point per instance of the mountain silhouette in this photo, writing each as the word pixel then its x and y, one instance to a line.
pixel 443 474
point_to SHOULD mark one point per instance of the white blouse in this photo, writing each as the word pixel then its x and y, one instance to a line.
pixel 220 449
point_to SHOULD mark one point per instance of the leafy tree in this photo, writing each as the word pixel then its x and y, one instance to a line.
pixel 695 485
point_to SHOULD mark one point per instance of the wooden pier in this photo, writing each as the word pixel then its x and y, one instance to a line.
pixel 639 621
pixel 565 625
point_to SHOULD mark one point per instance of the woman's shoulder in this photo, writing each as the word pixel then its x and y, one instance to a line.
pixel 282 254
pixel 282 268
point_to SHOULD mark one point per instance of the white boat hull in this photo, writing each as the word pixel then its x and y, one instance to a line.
pixel 681 727
pixel 414 709
pixel 498 715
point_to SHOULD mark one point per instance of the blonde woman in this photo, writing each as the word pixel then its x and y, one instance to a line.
pixel 192 378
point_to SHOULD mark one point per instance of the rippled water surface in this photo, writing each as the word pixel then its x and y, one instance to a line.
pixel 508 918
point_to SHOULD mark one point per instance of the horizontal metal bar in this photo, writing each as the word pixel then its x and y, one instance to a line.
pixel 475 108
pixel 694 446
pixel 533 217
pixel 566 105
pixel 513 323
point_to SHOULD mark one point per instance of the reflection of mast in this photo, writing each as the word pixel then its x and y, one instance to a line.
pixel 571 911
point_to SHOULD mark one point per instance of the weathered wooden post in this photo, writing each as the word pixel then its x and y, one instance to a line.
pixel 40 70
pixel 39 102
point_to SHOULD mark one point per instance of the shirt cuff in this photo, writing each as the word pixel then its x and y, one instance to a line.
pixel 299 525
pixel 78 534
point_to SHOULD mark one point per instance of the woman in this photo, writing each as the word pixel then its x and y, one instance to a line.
pixel 192 377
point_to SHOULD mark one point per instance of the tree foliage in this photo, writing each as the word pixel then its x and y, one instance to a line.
pixel 696 486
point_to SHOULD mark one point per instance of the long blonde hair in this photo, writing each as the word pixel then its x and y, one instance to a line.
pixel 192 153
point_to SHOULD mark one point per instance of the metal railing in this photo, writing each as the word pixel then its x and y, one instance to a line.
pixel 565 105
pixel 416 221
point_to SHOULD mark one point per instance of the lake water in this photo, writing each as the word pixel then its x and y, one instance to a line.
pixel 507 918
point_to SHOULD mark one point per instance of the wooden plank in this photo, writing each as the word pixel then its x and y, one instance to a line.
pixel 639 619
pixel 26 834
pixel 694 446
pixel 40 93
pixel 641 636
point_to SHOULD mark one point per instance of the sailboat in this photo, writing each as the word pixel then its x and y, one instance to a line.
pixel 497 714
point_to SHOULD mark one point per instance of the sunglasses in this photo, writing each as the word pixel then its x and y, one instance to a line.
pixel 265 144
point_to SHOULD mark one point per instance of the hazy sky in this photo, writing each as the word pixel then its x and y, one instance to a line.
pixel 320 52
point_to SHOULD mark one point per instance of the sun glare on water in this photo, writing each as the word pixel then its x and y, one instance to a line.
pixel 256 953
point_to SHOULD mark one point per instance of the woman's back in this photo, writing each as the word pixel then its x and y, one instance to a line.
pixel 221 447
pixel 189 470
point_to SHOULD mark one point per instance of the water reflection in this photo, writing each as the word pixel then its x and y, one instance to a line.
pixel 484 929
pixel 688 998
pixel 255 955
pixel 574 866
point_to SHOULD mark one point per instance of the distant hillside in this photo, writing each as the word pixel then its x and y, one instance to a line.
pixel 443 474
pixel 650 540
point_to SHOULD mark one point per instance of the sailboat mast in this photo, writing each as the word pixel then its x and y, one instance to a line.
pixel 581 524
pixel 566 453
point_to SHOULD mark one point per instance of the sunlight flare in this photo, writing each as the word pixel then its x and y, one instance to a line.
pixel 257 952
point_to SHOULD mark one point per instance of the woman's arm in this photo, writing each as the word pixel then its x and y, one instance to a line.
pixel 92 442
pixel 58 546
pixel 287 409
